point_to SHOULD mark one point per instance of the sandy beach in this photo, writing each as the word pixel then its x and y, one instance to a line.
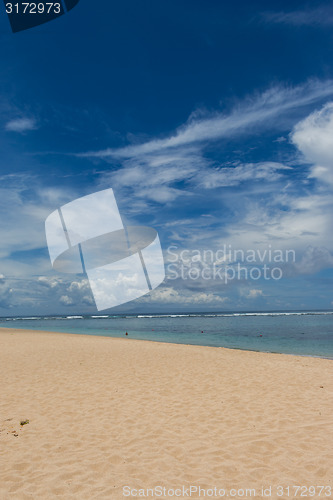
pixel 105 414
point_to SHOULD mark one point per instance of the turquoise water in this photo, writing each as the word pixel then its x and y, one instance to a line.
pixel 305 333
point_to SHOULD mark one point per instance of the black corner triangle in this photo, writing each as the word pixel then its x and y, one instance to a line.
pixel 70 4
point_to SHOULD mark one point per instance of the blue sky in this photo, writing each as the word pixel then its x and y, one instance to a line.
pixel 212 122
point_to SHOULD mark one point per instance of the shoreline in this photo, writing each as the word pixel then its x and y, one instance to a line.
pixel 105 413
pixel 315 356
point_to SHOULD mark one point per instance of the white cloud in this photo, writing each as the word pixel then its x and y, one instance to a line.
pixel 163 170
pixel 232 176
pixel 172 296
pixel 314 259
pixel 253 293
pixel 259 111
pixel 77 294
pixel 66 300
pixel 305 17
pixel 313 136
pixel 6 293
pixel 45 291
pixel 24 206
pixel 290 222
pixel 271 209
pixel 155 177
pixel 48 282
pixel 21 125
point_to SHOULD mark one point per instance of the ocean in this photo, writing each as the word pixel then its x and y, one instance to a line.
pixel 303 333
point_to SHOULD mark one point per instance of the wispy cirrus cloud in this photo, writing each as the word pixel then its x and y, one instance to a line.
pixel 21 125
pixel 234 175
pixel 164 169
pixel 258 111
pixel 269 206
pixel 321 16
pixel 24 205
